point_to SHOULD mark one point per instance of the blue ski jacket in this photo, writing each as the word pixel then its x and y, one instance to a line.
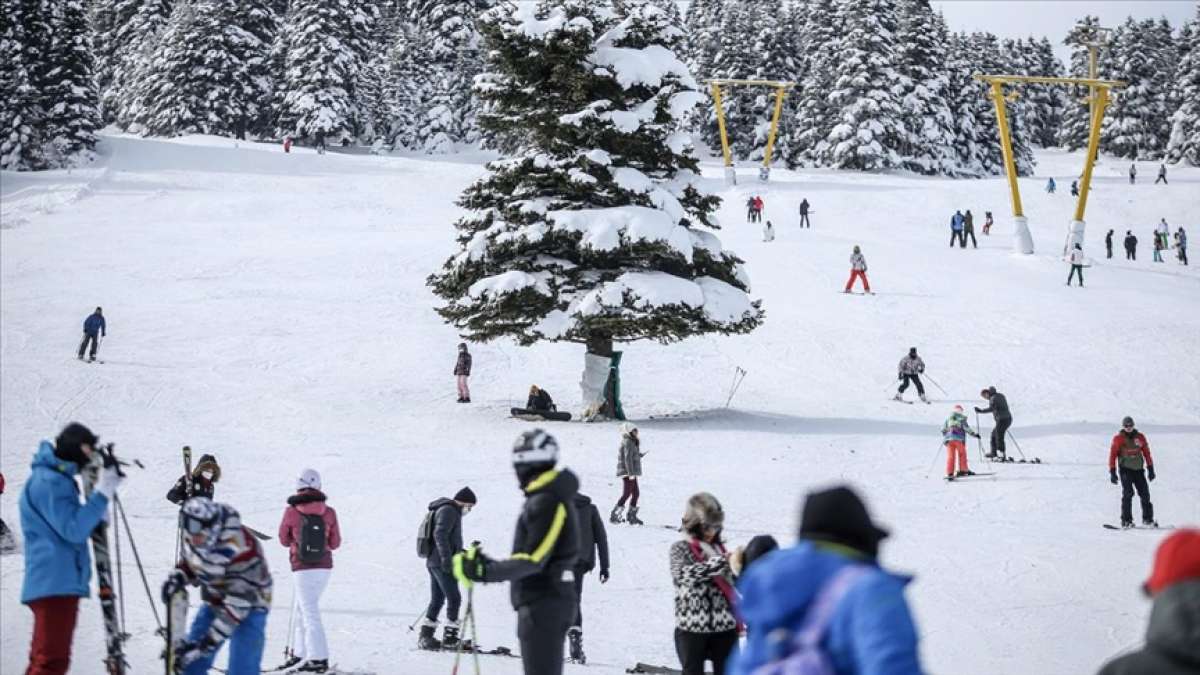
pixel 870 633
pixel 95 324
pixel 956 222
pixel 56 527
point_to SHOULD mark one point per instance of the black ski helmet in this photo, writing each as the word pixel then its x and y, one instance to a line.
pixel 1127 422
pixel 912 351
pixel 69 444
pixel 534 452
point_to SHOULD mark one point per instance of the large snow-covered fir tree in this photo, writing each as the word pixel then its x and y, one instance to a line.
pixel 1184 143
pixel 812 113
pixel 126 35
pixel 734 61
pixel 924 90
pixel 452 58
pixel 986 57
pixel 24 41
pixel 72 103
pixel 1076 118
pixel 1043 102
pixel 774 49
pixel 1134 126
pixel 597 230
pixel 970 136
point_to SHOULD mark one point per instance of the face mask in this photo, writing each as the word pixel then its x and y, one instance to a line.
pixel 207 475
pixel 466 509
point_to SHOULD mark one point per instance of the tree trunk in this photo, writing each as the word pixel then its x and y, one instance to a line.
pixel 601 344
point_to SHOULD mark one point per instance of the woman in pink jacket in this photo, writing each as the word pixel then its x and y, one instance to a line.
pixel 310 531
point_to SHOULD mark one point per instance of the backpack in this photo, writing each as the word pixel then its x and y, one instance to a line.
pixel 425 536
pixel 801 652
pixel 310 546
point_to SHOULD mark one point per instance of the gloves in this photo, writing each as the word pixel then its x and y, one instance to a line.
pixel 109 481
pixel 1112 476
pixel 604 576
pixel 190 652
pixel 976 434
pixel 176 581
pixel 978 410
pixel 1150 472
pixel 470 566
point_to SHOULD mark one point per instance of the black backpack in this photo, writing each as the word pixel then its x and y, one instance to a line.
pixel 425 536
pixel 311 544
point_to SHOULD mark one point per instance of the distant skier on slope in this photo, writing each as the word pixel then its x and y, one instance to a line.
pixel 956 229
pixel 858 270
pixel 204 480
pixel 629 469
pixel 804 214
pixel 446 539
pixel 998 407
pixel 545 551
pixel 1077 258
pixel 462 373
pixel 593 539
pixel 910 371
pixel 1132 174
pixel 1108 243
pixel 954 436
pixel 94 328
pixel 969 230
pixel 758 208
pixel 1130 245
pixel 1181 244
pixel 750 209
pixel 1130 454
pixel 1050 185
pixel 768 232
pixel 1074 188
pixel 987 223
pixel 1162 175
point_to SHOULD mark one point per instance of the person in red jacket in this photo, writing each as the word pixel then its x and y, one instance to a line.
pixel 310 531
pixel 1130 453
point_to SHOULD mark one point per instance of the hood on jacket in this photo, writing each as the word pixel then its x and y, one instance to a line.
pixel 208 462
pixel 1174 627
pixel 46 459
pixel 582 501
pixel 561 483
pixel 307 496
pixel 440 502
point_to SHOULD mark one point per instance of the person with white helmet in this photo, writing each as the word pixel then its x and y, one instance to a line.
pixel 629 467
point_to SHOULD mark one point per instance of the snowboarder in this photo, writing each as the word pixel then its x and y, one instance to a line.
pixel 592 539
pixel 58 566
pixel 758 208
pixel 1171 647
pixel 1108 243
pixel 319 141
pixel 910 370
pixel 969 230
pixel 706 623
pixel 954 436
pixel 1076 259
pixel 94 328
pixel 447 540
pixel 226 561
pixel 462 372
pixel 309 529
pixel 205 476
pixel 858 270
pixel 1181 245
pixel 956 228
pixel 768 232
pixel 987 223
pixel 287 144
pixel 750 209
pixel 629 468
pixel 868 627
pixel 998 407
pixel 1050 185
pixel 1130 245
pixel 545 550
pixel 539 400
pixel 1132 174
pixel 804 214
pixel 7 543
pixel 1158 247
pixel 1130 453
pixel 1162 175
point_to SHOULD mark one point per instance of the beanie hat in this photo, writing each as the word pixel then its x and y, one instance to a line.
pixel 69 444
pixel 703 512
pixel 958 408
pixel 466 496
pixel 1128 420
pixel 309 480
pixel 757 548
pixel 838 515
pixel 1177 559
pixel 912 351
pixel 535 447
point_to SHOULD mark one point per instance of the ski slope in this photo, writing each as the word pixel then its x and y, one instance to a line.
pixel 270 308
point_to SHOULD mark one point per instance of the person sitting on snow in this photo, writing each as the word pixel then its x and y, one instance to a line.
pixel 539 400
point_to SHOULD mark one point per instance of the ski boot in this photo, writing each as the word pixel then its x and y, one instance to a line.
pixel 1149 522
pixel 1126 524
pixel 960 474
pixel 450 636
pixel 923 399
pixel 617 515
pixel 292 661
pixel 426 640
pixel 575 637
pixel 898 397
pixel 632 518
pixel 313 666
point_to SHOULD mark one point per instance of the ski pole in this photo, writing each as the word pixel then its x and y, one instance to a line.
pixel 935 457
pixel 137 558
pixel 1018 445
pixel 934 382
pixel 287 647
pixel 979 440
pixel 466 619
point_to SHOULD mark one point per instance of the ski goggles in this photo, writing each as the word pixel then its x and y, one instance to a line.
pixel 193 525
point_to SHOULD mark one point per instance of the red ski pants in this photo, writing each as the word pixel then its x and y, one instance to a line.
pixel 53 630
pixel 956 449
pixel 858 274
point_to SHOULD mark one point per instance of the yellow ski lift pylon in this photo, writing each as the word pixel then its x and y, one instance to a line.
pixel 780 91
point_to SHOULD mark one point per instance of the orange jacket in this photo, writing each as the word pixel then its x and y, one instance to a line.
pixel 1119 440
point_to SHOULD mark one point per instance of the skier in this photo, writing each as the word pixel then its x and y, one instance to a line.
pixel 1108 243
pixel 998 406
pixel 462 372
pixel 758 208
pixel 987 223
pixel 309 529
pixel 1158 247
pixel 1171 646
pixel 545 549
pixel 1132 174
pixel 227 563
pixel 1162 175
pixel 910 369
pixel 956 227
pixel 319 141
pixel 1130 452
pixel 1050 185
pixel 204 479
pixel 58 566
pixel 592 539
pixel 94 328
pixel 539 400
pixel 750 209
pixel 954 436
pixel 706 623
pixel 968 230
pixel 1181 244
pixel 1076 259
pixel 446 540
pixel 629 468
pixel 804 214
pixel 866 627
pixel 1074 188
pixel 287 144
pixel 7 543
pixel 768 232
pixel 1130 245
pixel 858 270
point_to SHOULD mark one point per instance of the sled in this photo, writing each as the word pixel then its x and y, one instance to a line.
pixel 539 415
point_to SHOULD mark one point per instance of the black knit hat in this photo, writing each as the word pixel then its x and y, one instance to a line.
pixel 70 442
pixel 757 548
pixel 838 515
pixel 465 496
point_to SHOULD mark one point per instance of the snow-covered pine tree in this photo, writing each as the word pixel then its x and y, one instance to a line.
pixel 734 61
pixel 964 95
pixel 774 51
pixel 987 58
pixel 703 21
pixel 924 90
pixel 375 85
pixel 870 131
pixel 597 230
pixel 126 34
pixel 1133 120
pixel 1166 55
pixel 1184 144
pixel 70 99
pixel 813 114
pixel 255 79
pixel 449 109
pixel 1076 119
pixel 1043 102
pixel 408 78
pixel 24 43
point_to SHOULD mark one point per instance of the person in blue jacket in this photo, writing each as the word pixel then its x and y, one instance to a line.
pixel 93 327
pixel 826 599
pixel 956 229
pixel 56 525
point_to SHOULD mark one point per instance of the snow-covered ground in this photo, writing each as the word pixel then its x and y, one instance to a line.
pixel 271 309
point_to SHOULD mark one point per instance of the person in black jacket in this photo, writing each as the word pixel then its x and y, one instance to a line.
pixel 1130 245
pixel 539 399
pixel 804 214
pixel 1108 243
pixel 447 541
pixel 592 538
pixel 545 549
pixel 998 406
pixel 203 481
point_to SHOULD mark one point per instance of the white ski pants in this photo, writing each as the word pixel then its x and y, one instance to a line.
pixel 309 637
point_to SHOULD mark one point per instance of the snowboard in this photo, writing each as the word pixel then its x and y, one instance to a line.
pixel 535 415
pixel 176 628
pixel 1108 526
